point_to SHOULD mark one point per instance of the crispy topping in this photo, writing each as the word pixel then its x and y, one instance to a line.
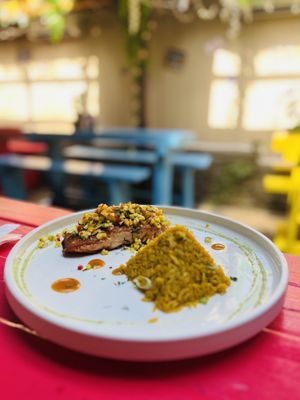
pixel 105 217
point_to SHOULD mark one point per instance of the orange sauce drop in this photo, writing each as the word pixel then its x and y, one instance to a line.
pixel 65 285
pixel 96 263
pixel 218 246
pixel 118 271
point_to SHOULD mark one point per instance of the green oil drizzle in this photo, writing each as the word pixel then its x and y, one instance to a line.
pixel 249 254
pixel 264 282
pixel 20 270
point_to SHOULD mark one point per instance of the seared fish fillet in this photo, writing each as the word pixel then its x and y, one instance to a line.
pixel 116 237
pixel 109 227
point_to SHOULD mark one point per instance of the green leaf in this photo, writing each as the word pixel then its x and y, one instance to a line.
pixel 56 24
pixel 204 300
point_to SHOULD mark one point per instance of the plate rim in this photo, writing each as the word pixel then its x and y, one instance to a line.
pixel 275 297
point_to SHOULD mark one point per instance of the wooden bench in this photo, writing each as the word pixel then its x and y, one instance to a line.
pixel 188 163
pixel 117 177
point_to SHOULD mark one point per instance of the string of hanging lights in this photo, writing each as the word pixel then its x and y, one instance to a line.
pixel 51 13
pixel 233 12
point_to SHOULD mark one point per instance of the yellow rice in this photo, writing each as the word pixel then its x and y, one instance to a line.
pixel 175 271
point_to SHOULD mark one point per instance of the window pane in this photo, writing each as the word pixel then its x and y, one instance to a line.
pixel 223 104
pixel 92 69
pixel 13 101
pixel 49 127
pixel 61 68
pixel 93 104
pixel 272 104
pixel 226 63
pixel 11 73
pixel 56 101
pixel 278 60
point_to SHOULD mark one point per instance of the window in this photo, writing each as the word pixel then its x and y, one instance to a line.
pixel 226 63
pixel 224 93
pixel 223 114
pixel 55 101
pixel 13 102
pixel 271 96
pixel 46 95
pixel 272 104
pixel 278 60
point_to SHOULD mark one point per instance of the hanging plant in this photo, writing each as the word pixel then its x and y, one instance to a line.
pixel 135 17
pixel 54 17
pixel 52 14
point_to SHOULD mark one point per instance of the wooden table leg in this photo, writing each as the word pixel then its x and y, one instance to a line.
pixel 13 185
pixel 162 182
pixel 187 187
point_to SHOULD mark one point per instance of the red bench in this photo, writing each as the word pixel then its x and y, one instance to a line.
pixel 11 141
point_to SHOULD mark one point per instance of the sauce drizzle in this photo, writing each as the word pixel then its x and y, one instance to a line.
pixel 118 271
pixel 218 246
pixel 65 285
pixel 96 263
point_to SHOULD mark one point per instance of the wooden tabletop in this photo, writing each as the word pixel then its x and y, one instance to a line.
pixel 264 367
pixel 28 213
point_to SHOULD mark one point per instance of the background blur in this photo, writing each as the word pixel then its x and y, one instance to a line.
pixel 228 71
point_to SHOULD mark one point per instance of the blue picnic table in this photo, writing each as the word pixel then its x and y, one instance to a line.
pixel 159 141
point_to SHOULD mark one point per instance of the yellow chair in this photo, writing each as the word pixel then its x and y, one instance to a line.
pixel 287 237
pixel 278 184
pixel 288 144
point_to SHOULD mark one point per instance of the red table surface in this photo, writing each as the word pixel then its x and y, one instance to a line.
pixel 265 367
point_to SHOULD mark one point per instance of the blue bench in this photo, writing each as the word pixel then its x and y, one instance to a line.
pixel 188 163
pixel 117 177
pixel 108 154
pixel 162 169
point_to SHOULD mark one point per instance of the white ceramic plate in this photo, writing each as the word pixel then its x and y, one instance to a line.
pixel 106 316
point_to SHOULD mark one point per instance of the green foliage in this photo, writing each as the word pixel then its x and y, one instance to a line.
pixel 245 3
pixel 51 13
pixel 134 42
pixel 232 175
pixel 55 20
pixel 56 25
